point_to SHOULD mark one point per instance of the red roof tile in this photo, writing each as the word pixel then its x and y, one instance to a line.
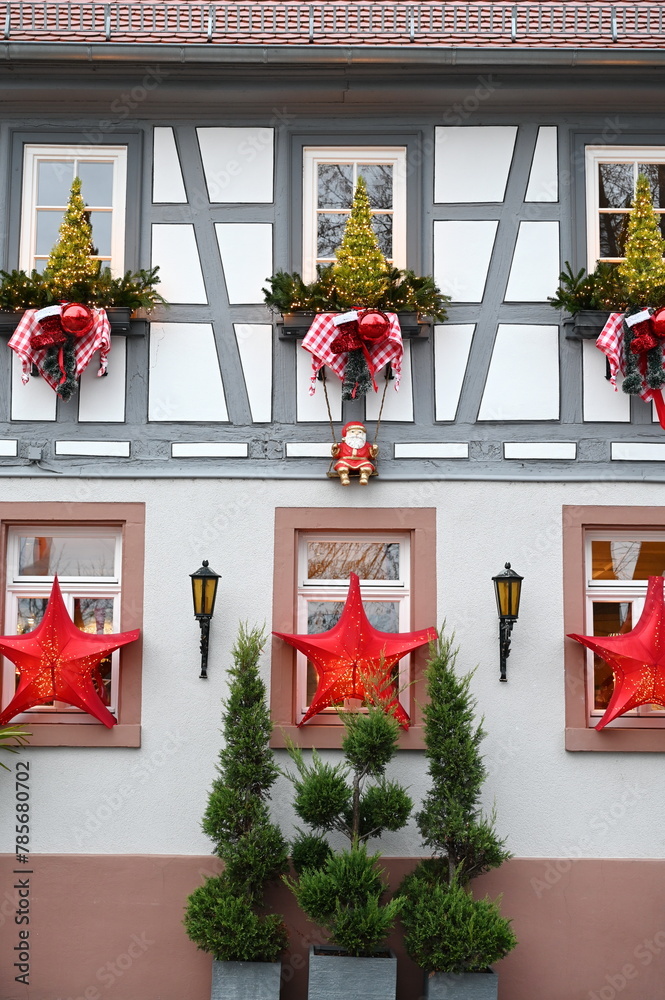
pixel 595 24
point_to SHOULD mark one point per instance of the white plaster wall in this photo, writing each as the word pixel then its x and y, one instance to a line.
pixel 549 802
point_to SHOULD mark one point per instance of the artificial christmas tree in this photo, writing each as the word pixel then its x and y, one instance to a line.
pixel 71 260
pixel 643 270
pixel 360 271
pixel 227 915
pixel 447 931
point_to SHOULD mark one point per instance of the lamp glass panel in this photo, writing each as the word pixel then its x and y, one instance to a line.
pixel 508 596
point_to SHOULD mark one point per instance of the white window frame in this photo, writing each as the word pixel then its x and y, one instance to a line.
pixel 595 155
pixel 33 155
pixel 619 592
pixel 354 155
pixel 336 590
pixel 71 587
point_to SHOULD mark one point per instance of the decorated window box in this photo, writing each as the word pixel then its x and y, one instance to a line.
pixel 586 324
pixel 122 320
pixel 294 325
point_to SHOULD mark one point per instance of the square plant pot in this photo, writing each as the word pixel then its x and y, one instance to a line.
pixel 245 980
pixel 336 976
pixel 466 986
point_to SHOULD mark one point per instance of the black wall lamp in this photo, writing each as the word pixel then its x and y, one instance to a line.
pixel 508 589
pixel 204 592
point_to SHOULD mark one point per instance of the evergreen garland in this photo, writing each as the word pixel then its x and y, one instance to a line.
pixel 357 380
pixel 226 916
pixel 51 365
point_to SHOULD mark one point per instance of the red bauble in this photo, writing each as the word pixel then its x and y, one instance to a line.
pixel 77 319
pixel 658 323
pixel 353 653
pixel 637 658
pixel 373 325
pixel 58 661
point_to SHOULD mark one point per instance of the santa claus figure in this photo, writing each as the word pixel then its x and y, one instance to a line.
pixel 354 454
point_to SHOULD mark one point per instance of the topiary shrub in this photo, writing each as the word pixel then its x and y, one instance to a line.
pixel 226 916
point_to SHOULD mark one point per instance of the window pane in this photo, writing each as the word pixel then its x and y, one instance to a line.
pixel 379 180
pixel 627 559
pixel 609 618
pixel 96 183
pixel 95 616
pixel 615 185
pixel 330 230
pixel 656 174
pixel 335 185
pixel 370 560
pixel 68 557
pixel 54 181
pixel 613 232
pixel 101 233
pixel 48 226
pixel 383 227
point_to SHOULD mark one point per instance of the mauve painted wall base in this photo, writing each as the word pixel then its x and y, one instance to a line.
pixel 112 926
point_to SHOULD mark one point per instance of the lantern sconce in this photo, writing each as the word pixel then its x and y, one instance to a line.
pixel 204 592
pixel 508 589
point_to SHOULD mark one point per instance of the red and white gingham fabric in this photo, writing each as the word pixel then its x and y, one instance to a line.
pixel 610 342
pixel 323 331
pixel 98 339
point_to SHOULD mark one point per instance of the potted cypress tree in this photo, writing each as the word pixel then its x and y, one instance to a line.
pixel 342 890
pixel 451 935
pixel 227 915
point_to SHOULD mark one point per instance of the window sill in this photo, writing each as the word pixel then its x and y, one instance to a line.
pixel 330 737
pixel 616 740
pixel 60 734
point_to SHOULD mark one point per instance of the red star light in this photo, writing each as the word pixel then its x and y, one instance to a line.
pixel 637 658
pixel 57 661
pixel 353 651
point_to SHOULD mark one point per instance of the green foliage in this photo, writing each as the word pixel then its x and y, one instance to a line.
pixel 446 930
pixel 67 384
pixel 450 821
pixel 134 290
pixel 225 916
pixel 18 737
pixel 357 380
pixel 343 897
pixel 309 850
pixel 219 921
pixel 643 269
pixel 342 891
pixel 403 291
pixel 602 289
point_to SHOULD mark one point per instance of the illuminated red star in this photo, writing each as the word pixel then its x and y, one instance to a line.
pixel 637 658
pixel 57 661
pixel 351 652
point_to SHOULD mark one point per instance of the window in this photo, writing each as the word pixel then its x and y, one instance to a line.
pixel 329 181
pixel 609 553
pixel 48 172
pixel 611 176
pixel 97 552
pixel 325 560
pixel 393 553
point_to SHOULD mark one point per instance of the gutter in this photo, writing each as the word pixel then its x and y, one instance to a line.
pixel 100 53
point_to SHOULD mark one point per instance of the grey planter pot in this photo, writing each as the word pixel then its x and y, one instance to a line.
pixel 245 980
pixel 467 986
pixel 341 977
pixel 296 325
pixel 586 324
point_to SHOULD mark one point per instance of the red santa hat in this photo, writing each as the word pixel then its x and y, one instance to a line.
pixel 352 424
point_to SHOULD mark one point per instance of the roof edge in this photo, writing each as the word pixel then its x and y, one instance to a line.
pixel 299 55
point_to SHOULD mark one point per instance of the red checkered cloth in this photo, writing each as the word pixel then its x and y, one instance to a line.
pixel 323 331
pixel 98 339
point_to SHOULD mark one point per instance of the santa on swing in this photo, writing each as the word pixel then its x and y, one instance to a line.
pixel 354 454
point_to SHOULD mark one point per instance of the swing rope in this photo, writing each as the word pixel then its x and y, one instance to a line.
pixel 330 419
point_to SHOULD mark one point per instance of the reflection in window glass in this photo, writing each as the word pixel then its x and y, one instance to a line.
pixel 335 185
pixel 336 560
pixel 627 559
pixel 54 181
pixel 66 556
pixel 609 618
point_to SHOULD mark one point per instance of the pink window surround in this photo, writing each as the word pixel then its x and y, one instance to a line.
pixel 579 735
pixel 130 518
pixel 420 523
